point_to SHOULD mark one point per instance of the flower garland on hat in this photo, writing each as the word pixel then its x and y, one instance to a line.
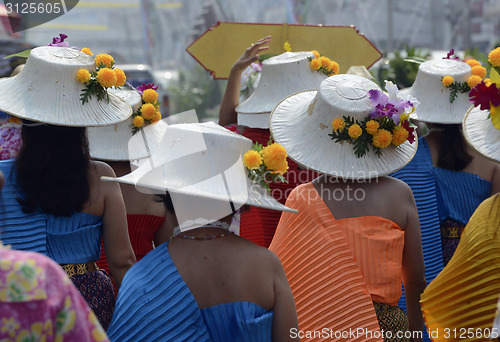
pixel 478 74
pixel 149 112
pixel 323 64
pixel 387 124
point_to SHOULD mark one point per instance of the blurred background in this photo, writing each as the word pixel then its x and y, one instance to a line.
pixel 148 38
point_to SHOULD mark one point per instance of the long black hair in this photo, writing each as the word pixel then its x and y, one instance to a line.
pixel 452 148
pixel 53 169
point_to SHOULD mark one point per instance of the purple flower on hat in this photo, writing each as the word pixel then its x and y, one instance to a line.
pixel 392 107
pixel 145 86
pixel 451 54
pixel 59 41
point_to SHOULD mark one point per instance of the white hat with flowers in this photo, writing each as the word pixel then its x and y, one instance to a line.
pixel 204 162
pixel 442 87
pixel 282 76
pixel 348 128
pixel 481 124
pixel 125 141
pixel 66 87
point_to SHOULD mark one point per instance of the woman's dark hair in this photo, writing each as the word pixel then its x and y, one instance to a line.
pixel 52 169
pixel 452 148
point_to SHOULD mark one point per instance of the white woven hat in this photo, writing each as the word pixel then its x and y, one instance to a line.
pixel 47 91
pixel 301 123
pixel 203 161
pixel 117 143
pixel 282 76
pixel 481 134
pixel 435 106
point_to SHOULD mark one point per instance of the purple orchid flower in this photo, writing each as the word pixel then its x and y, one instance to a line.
pixel 145 86
pixel 393 109
pixel 59 41
pixel 451 54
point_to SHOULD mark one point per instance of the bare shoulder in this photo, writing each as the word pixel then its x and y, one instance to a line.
pixel 102 169
pixel 400 188
pixel 259 254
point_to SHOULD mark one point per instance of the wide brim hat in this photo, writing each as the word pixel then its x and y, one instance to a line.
pixel 480 133
pixel 117 142
pixel 434 97
pixel 203 161
pixel 281 76
pixel 302 123
pixel 465 294
pixel 47 91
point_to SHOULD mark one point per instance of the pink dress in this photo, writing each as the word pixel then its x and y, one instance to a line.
pixel 38 302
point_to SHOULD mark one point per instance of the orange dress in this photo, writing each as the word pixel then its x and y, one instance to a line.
pixel 338 268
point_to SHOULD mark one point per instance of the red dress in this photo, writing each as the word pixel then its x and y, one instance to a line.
pixel 257 224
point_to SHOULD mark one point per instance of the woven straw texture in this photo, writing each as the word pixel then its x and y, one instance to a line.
pixel 481 134
pixel 302 122
pixel 465 294
pixel 47 91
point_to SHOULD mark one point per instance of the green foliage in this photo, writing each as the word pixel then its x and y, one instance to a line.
pixel 458 87
pixel 93 87
pixel 196 90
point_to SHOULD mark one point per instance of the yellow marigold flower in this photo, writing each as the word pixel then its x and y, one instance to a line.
pixel 447 80
pixel 106 77
pixel 316 54
pixel 138 121
pixel 334 67
pixel 472 62
pixel 274 156
pixel 399 135
pixel 83 75
pixel 382 138
pixel 355 131
pixel 325 61
pixel 473 81
pixel 14 119
pixel 157 117
pixel 479 71
pixel 120 77
pixel 104 59
pixel 494 57
pixel 372 127
pixel 487 81
pixel 315 64
pixel 252 159
pixel 150 96
pixel 287 46
pixel 148 111
pixel 282 170
pixel 87 51
pixel 338 124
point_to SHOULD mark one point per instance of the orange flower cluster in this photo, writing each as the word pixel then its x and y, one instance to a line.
pixel 149 112
pixel 323 64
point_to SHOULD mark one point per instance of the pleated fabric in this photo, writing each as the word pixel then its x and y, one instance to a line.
pixel 322 259
pixel 141 230
pixel 257 224
pixel 465 294
pixel 155 304
pixel 18 229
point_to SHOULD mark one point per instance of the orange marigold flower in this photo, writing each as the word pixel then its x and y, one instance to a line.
pixel 382 138
pixel 338 124
pixel 355 131
pixel 106 77
pixel 274 156
pixel 83 75
pixel 14 119
pixel 473 81
pixel 282 170
pixel 325 61
pixel 372 127
pixel 148 111
pixel 87 51
pixel 138 121
pixel 316 54
pixel 479 71
pixel 104 59
pixel 447 80
pixel 315 64
pixel 399 135
pixel 494 57
pixel 487 81
pixel 157 117
pixel 334 66
pixel 120 77
pixel 472 62
pixel 252 159
pixel 150 96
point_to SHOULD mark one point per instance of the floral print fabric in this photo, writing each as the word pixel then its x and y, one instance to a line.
pixel 38 302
